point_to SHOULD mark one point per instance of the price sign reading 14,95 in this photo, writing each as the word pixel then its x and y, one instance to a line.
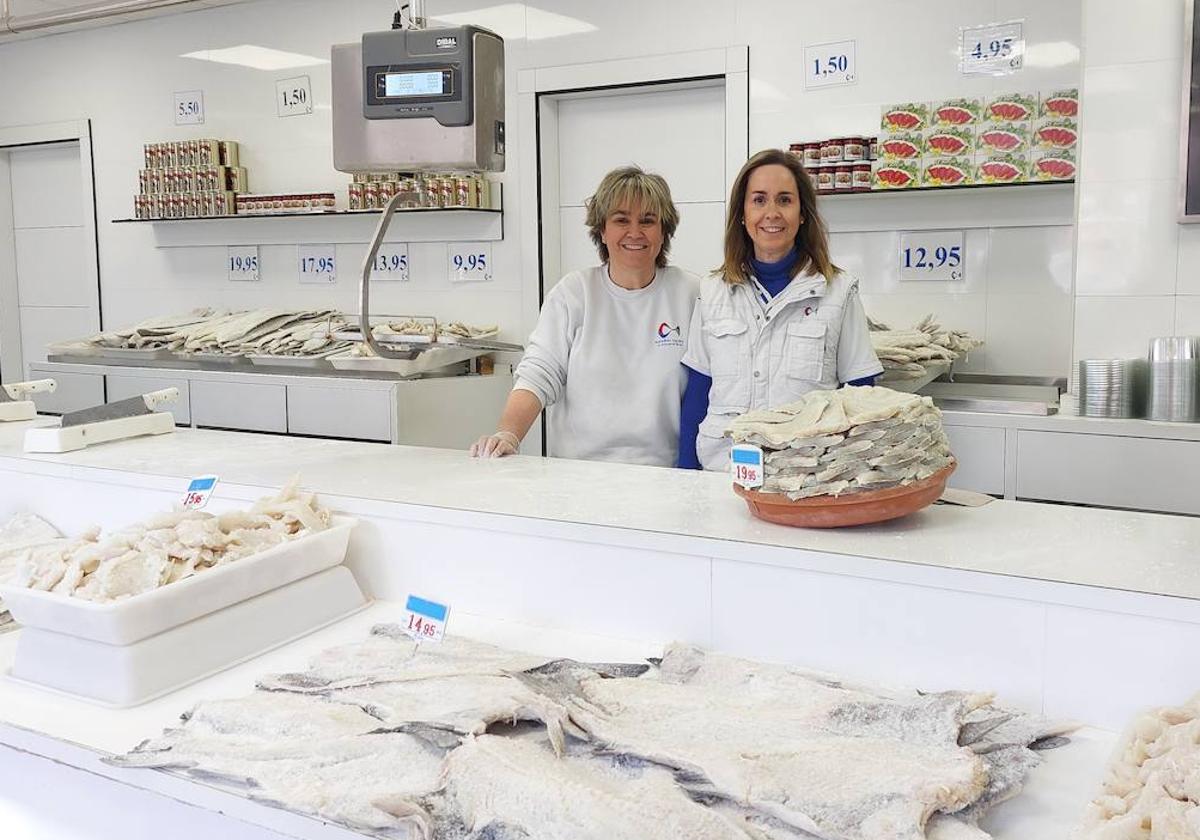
pixel 933 255
pixel 829 64
pixel 317 263
pixel 470 262
pixel 996 49
pixel 391 263
pixel 425 620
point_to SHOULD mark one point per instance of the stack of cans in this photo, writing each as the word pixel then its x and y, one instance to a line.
pixel 1174 383
pixel 1113 388
pixel 188 179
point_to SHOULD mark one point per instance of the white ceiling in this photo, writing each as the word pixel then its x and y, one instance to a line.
pixel 22 8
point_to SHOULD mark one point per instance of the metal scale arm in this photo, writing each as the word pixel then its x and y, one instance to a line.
pixel 364 288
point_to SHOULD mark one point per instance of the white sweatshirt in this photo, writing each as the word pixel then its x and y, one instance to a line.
pixel 605 362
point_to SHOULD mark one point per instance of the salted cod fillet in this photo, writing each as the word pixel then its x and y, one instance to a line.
pixel 822 757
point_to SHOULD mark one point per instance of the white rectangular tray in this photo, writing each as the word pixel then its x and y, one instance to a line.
pixel 130 620
pixel 429 360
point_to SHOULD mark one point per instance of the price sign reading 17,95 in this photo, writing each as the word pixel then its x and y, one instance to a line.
pixel 317 263
pixel 829 64
pixel 933 255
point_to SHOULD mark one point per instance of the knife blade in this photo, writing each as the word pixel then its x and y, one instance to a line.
pixel 132 407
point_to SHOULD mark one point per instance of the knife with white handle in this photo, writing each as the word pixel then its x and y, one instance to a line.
pixel 24 390
pixel 132 407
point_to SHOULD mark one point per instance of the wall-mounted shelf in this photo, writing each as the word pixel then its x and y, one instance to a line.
pixel 975 206
pixel 326 215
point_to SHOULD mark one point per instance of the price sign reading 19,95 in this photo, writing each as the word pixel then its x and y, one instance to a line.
pixel 933 255
pixel 829 64
pixel 317 263
pixel 243 263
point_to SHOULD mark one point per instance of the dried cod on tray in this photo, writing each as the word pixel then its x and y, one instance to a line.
pixel 22 533
pixel 853 439
pixel 1152 786
pixel 163 549
pixel 906 354
pixel 465 741
pixel 424 328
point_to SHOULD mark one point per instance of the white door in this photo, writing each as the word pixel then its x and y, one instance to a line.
pixel 676 133
pixel 55 296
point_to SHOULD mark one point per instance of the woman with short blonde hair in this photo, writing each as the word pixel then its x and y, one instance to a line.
pixel 778 319
pixel 603 360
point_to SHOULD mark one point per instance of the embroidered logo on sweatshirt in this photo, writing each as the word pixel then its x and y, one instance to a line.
pixel 668 336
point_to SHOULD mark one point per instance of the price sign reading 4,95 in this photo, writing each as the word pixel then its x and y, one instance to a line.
pixel 425 620
pixel 470 262
pixel 243 263
pixel 391 263
pixel 996 49
pixel 189 107
pixel 933 255
pixel 829 64
pixel 293 96
pixel 746 463
pixel 199 491
pixel 317 263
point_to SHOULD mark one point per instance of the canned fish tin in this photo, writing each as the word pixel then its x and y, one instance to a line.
pixel 833 151
pixel 387 191
pixel 812 155
pixel 843 177
pixel 861 178
pixel 824 175
pixel 797 149
pixel 873 148
pixel 483 192
pixel 356 195
pixel 447 188
pixel 855 149
pixel 228 153
pixel 148 155
pixel 463 192
pixel 371 195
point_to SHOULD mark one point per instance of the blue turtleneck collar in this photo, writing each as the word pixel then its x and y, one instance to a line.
pixel 775 276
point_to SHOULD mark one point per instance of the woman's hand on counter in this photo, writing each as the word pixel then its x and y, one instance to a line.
pixel 496 445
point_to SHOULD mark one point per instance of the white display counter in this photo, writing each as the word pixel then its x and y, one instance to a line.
pixel 1080 613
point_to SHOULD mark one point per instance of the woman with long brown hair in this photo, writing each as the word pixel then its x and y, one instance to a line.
pixel 778 319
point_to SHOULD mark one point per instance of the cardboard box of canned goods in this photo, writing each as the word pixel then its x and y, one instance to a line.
pixel 1052 165
pixel 1055 133
pixel 903 117
pixel 947 171
pixel 897 174
pixel 1010 138
pixel 1011 108
pixel 1000 168
pixel 956 112
pixel 903 146
pixel 1059 104
pixel 950 140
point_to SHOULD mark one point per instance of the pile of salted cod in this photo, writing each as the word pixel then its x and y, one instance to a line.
pixel 413 327
pixel 20 535
pixel 853 439
pixel 162 549
pixel 904 354
pixel 464 741
pixel 1152 786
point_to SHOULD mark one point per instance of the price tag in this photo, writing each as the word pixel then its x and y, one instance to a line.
pixel 391 263
pixel 243 263
pixel 996 49
pixel 829 64
pixel 470 262
pixel 746 462
pixel 933 255
pixel 199 491
pixel 317 263
pixel 425 620
pixel 293 96
pixel 189 107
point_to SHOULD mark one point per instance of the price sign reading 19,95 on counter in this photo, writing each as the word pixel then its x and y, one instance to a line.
pixel 317 263
pixel 933 255
pixel 746 463
pixel 829 64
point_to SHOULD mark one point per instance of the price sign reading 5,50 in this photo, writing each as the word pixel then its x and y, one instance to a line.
pixel 932 255
pixel 318 263
pixel 293 96
pixel 470 262
pixel 391 263
pixel 829 64
pixel 189 107
pixel 996 49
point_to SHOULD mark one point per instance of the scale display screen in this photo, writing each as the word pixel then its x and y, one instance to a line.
pixel 424 83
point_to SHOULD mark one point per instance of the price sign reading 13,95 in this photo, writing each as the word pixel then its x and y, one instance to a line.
pixel 391 263
pixel 317 263
pixel 470 262
pixel 933 255
pixel 829 64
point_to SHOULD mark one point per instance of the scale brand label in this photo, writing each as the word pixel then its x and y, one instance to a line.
pixel 447 42
pixel 746 463
pixel 425 620
pixel 199 492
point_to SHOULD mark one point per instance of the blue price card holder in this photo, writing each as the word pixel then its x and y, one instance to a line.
pixel 746 464
pixel 424 619
pixel 199 491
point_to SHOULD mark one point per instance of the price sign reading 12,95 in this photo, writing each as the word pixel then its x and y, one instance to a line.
pixel 829 64
pixel 470 262
pixel 391 263
pixel 317 263
pixel 933 255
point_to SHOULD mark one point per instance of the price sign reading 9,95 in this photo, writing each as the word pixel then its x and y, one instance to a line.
pixel 933 255
pixel 391 263
pixel 470 262
pixel 829 64
pixel 317 263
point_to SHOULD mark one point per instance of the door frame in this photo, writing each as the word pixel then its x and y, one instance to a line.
pixel 540 89
pixel 12 362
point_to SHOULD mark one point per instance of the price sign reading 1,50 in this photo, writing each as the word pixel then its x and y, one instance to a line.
pixel 293 96
pixel 829 64
pixel 932 255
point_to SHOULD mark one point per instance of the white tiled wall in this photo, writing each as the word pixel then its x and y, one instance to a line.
pixel 1138 269
pixel 905 50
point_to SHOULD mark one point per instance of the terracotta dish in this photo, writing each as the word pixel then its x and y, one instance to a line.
pixel 848 509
